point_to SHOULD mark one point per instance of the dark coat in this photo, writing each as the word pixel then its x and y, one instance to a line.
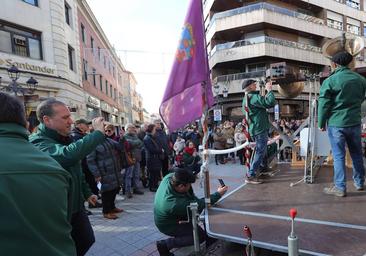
pixel 135 145
pixel 105 162
pixel 152 150
pixel 163 140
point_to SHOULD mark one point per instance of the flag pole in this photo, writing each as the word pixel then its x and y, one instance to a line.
pixel 204 122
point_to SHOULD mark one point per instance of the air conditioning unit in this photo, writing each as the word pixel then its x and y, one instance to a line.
pixel 20 40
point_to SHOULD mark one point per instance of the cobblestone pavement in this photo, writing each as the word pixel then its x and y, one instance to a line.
pixel 134 233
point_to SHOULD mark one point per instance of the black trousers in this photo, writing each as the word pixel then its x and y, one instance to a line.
pixel 154 176
pixel 108 198
pixel 165 164
pixel 183 236
pixel 89 178
pixel 82 232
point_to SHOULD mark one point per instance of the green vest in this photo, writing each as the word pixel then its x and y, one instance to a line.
pixel 258 117
pixel 170 207
pixel 69 156
pixel 35 198
pixel 340 99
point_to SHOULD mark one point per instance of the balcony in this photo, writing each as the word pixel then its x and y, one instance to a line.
pixel 267 13
pixel 266 46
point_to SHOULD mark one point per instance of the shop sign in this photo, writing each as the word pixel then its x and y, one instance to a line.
pixel 93 101
pixel 30 66
pixel 105 107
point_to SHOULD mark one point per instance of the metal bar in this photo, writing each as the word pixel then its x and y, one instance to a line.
pixel 280 217
pixel 263 245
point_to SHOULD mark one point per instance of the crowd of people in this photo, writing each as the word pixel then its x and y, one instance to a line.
pixel 47 177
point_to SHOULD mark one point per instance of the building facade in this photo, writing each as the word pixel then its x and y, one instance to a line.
pixel 40 37
pixel 104 77
pixel 245 37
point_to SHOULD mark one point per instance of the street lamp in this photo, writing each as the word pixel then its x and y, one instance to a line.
pixel 14 87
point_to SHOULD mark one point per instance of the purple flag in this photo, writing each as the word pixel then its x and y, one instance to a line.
pixel 189 78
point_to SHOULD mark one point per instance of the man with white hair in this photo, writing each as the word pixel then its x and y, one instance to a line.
pixel 133 172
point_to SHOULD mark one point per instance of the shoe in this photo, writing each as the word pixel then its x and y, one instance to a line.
pixel 129 195
pixel 360 188
pixel 334 191
pixel 253 180
pixel 110 216
pixel 138 192
pixel 97 205
pixel 163 248
pixel 88 212
pixel 117 210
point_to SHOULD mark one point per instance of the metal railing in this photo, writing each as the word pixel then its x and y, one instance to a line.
pixel 240 76
pixel 265 39
pixel 266 6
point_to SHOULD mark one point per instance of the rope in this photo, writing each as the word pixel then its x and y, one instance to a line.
pixel 247 152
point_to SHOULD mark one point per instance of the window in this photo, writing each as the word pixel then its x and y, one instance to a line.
pixel 83 33
pixel 353 3
pixel 94 77
pixel 21 42
pixel 101 83
pixel 353 29
pixel 334 24
pixel 32 2
pixel 68 14
pixel 115 93
pixel 105 61
pixel 71 53
pixel 99 53
pixel 111 90
pixel 92 44
pixel 85 70
pixel 106 87
pixel 256 67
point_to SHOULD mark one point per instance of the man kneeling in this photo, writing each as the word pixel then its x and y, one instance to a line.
pixel 171 200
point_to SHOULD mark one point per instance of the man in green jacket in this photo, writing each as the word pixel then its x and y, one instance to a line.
pixel 53 137
pixel 258 125
pixel 171 200
pixel 34 191
pixel 340 99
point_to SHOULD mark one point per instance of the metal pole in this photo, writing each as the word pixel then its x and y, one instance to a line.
pixel 292 239
pixel 194 209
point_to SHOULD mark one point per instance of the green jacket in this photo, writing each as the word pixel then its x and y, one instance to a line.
pixel 69 155
pixel 34 198
pixel 340 99
pixel 170 206
pixel 258 118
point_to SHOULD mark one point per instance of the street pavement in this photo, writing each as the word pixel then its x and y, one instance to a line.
pixel 134 233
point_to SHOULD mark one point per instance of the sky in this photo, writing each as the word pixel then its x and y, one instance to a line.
pixel 145 34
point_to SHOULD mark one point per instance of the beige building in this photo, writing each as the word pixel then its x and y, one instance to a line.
pixel 41 39
pixel 245 37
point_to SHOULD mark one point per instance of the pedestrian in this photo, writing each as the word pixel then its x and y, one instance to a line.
pixel 81 128
pixel 258 126
pixel 34 191
pixel 339 112
pixel 53 137
pixel 239 140
pixel 132 174
pixel 191 159
pixel 162 138
pixel 154 156
pixel 219 144
pixel 105 165
pixel 174 194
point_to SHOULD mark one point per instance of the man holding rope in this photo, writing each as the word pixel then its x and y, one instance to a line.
pixel 255 111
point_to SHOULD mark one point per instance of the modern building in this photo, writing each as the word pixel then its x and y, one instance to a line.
pixel 40 37
pixel 245 37
pixel 104 78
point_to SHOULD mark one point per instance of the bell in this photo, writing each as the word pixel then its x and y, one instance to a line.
pixel 291 90
pixel 350 43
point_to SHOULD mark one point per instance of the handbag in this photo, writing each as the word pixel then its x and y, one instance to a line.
pixel 130 159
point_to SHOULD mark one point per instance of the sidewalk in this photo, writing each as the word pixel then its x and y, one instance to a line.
pixel 134 233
